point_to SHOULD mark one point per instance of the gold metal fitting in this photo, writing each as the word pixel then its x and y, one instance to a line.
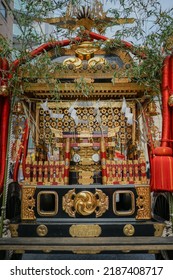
pixel 18 108
pixel 152 110
pixel 129 230
pixel 85 50
pixel 170 100
pixel 42 230
pixel 4 90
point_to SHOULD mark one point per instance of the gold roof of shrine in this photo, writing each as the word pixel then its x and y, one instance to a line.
pixel 84 70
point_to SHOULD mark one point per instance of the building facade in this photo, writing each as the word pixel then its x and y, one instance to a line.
pixel 6 19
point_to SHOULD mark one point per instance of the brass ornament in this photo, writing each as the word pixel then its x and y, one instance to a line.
pixel 158 229
pixel 143 202
pixel 129 230
pixel 28 203
pixel 42 230
pixel 14 230
pixel 85 203
pixel 85 230
pixel 170 100
pixel 4 90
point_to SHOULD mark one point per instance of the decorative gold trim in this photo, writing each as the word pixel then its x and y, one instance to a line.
pixel 129 230
pixel 19 251
pixel 124 213
pixel 42 230
pixel 85 230
pixel 14 230
pixel 28 203
pixel 88 252
pixel 143 202
pixel 48 213
pixel 158 229
pixel 85 203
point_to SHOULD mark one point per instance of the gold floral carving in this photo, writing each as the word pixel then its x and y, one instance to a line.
pixel 85 230
pixel 14 230
pixel 85 203
pixel 143 202
pixel 28 203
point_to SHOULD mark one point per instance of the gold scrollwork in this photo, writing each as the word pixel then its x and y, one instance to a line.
pixel 28 203
pixel 85 203
pixel 143 202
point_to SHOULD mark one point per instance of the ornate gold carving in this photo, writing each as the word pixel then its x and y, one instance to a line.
pixel 97 60
pixel 158 229
pixel 129 230
pixel 42 230
pixel 85 203
pixel 143 202
pixel 77 62
pixel 86 177
pixel 85 50
pixel 28 203
pixel 14 230
pixel 102 203
pixel 85 230
pixel 68 203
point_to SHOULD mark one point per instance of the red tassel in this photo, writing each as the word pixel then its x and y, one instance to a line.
pixel 165 111
pixel 4 138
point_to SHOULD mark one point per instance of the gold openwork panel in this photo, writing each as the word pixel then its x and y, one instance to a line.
pixel 111 117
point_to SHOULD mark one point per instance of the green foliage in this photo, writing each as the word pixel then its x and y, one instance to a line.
pixel 150 34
